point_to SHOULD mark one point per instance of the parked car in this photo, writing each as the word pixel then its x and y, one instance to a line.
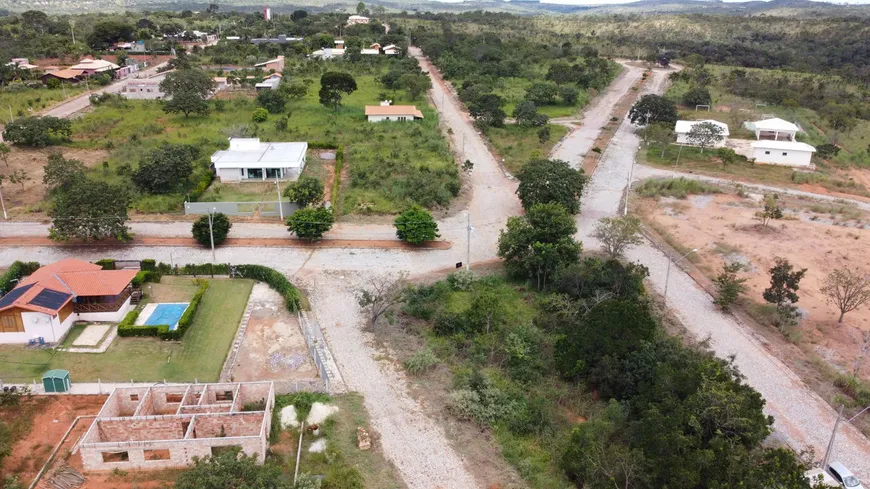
pixel 844 476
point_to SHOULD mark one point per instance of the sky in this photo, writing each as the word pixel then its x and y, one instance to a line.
pixel 616 2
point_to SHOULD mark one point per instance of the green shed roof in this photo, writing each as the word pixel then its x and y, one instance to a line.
pixel 56 374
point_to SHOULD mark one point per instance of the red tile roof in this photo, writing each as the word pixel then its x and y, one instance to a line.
pixel 81 278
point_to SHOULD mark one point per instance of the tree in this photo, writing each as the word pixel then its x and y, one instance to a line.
pixel 59 173
pixel 90 210
pixel 272 100
pixel 847 288
pixel 416 225
pixel 415 84
pixel 37 132
pixel 544 134
pixel 617 234
pixel 107 32
pixel 220 227
pixel 569 94
pixel 382 294
pixel 659 109
pixel 260 115
pixel 305 192
pixel 527 115
pixel 784 284
pixel 4 153
pixel 298 15
pixel 539 243
pixel 770 211
pixel 728 285
pixel 187 103
pixel 19 176
pixel 333 86
pixel 486 110
pixel 212 8
pixel 360 8
pixel 294 91
pixel 661 134
pixel 542 93
pixel 696 96
pixel 705 135
pixel 166 168
pixel 311 222
pixel 231 469
pixel 550 181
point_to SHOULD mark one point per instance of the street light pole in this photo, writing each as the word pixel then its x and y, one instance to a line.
pixel 830 448
pixel 280 204
pixel 677 163
pixel 668 275
pixel 211 233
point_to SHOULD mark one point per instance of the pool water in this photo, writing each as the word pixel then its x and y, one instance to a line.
pixel 168 313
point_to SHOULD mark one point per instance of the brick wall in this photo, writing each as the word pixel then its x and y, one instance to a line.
pixel 141 429
pixel 235 425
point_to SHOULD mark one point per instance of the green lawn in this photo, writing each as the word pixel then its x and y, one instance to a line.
pixel 200 355
pixel 241 192
pixel 29 101
pixel 517 145
pixel 391 165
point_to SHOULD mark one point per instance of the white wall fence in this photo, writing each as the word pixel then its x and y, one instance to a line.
pixel 262 209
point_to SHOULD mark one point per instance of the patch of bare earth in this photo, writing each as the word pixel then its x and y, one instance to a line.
pixel 818 237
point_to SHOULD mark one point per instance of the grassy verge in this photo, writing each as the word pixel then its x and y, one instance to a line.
pixel 200 355
pixel 517 145
pixel 29 101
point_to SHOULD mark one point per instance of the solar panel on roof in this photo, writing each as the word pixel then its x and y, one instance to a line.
pixel 50 299
pixel 13 295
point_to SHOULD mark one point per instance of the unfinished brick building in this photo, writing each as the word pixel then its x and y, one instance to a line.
pixel 167 425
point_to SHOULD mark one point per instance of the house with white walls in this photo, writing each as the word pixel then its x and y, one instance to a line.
pixel 775 129
pixel 786 153
pixel 46 303
pixel 387 112
pixel 683 128
pixel 250 160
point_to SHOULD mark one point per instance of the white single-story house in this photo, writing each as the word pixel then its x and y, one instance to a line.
pixel 46 303
pixel 378 113
pixel 683 128
pixel 248 159
pixel 143 89
pixel 271 82
pixel 775 129
pixel 357 19
pixel 276 64
pixel 369 51
pixel 391 49
pixel 328 53
pixel 787 153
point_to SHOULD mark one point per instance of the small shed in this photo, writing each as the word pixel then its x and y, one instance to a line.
pixel 56 381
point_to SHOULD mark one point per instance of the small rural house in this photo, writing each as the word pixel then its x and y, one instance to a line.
pixel 143 89
pixel 387 112
pixel 248 159
pixel 391 49
pixel 45 304
pixel 787 153
pixel 357 19
pixel 220 83
pixel 369 51
pixel 281 39
pixel 65 76
pixel 683 128
pixel 276 65
pixel 89 66
pixel 271 82
pixel 22 64
pixel 328 53
pixel 775 129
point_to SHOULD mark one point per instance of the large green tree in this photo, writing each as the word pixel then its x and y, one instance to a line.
pixel 658 108
pixel 187 91
pixel 90 210
pixel 487 110
pixel 220 228
pixel 59 173
pixel 416 225
pixel 550 181
pixel 166 168
pixel 305 191
pixel 527 115
pixel 37 132
pixel 333 86
pixel 272 100
pixel 311 222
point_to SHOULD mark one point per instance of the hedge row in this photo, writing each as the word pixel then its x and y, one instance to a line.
pixel 275 280
pixel 18 269
pixel 127 327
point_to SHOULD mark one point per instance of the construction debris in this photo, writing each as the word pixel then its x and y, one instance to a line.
pixel 66 477
pixel 363 439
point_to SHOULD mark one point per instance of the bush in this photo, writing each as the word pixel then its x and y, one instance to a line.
pixel 220 227
pixel 421 361
pixel 37 132
pixel 276 281
pixel 305 191
pixel 148 265
pixel 259 115
pixel 19 269
pixel 416 225
pixel 106 263
pixel 272 100
pixel 311 222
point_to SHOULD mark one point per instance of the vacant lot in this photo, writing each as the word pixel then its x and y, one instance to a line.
pixel 23 101
pixel 199 355
pixel 518 145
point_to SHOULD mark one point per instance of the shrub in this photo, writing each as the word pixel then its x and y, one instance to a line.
pixel 272 100
pixel 311 222
pixel 276 281
pixel 259 115
pixel 148 265
pixel 37 132
pixel 421 361
pixel 106 263
pixel 19 269
pixel 416 225
pixel 220 227
pixel 305 191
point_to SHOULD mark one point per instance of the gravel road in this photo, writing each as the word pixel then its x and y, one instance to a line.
pixel 802 418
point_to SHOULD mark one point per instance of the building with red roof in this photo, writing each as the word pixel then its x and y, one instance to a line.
pixel 46 303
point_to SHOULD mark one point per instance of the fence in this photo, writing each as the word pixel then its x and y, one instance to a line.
pixel 316 347
pixel 262 209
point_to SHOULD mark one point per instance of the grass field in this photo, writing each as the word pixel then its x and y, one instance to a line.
pixel 517 145
pixel 391 165
pixel 200 355
pixel 29 101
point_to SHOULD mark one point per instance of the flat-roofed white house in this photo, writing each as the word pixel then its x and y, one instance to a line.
pixel 357 19
pixel 775 129
pixel 683 128
pixel 250 160
pixel 786 153
pixel 378 113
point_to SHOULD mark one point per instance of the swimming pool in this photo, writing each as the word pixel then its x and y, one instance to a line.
pixel 165 313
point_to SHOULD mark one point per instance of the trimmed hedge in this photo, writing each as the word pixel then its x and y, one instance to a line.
pixel 106 263
pixel 127 327
pixel 148 265
pixel 143 276
pixel 276 281
pixel 18 269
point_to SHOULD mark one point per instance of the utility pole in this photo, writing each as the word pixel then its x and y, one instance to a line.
pixel 668 276
pixel 211 233
pixel 280 207
pixel 468 240
pixel 831 442
pixel 677 163
pixel 3 204
pixel 72 31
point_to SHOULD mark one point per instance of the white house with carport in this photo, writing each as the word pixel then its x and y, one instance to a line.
pixel 683 128
pixel 786 153
pixel 386 112
pixel 775 129
pixel 250 160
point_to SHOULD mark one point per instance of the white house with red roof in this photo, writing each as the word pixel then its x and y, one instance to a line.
pixel 46 303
